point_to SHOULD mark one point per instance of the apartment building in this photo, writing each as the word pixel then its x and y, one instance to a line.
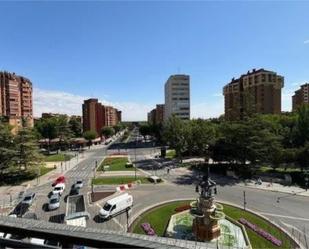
pixel 16 100
pixel 151 117
pixel 96 116
pixel 257 91
pixel 156 115
pixel 300 97
pixel 177 97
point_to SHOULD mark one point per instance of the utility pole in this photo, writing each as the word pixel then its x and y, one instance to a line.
pixel 245 202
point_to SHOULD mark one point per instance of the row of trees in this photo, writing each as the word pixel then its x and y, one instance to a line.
pixel 64 129
pixel 18 153
pixel 261 139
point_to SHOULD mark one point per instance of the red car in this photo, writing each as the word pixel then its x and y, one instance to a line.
pixel 60 179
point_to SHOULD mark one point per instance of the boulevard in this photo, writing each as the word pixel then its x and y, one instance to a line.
pixel 290 213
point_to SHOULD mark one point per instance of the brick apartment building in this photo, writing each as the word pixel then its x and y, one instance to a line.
pixel 156 115
pixel 258 91
pixel 16 100
pixel 301 96
pixel 96 116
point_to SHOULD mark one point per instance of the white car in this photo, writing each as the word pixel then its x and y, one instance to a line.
pixel 58 189
pixel 79 184
pixel 28 199
pixel 54 202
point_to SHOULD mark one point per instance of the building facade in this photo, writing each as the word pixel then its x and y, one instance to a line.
pixel 16 99
pixel 96 116
pixel 151 118
pixel 156 116
pixel 177 97
pixel 258 91
pixel 300 97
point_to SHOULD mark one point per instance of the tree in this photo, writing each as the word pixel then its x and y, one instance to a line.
pixel 55 127
pixel 107 132
pixel 89 136
pixel 202 134
pixel 117 128
pixel 145 130
pixel 75 126
pixel 303 125
pixel 176 133
pixel 27 156
pixel 7 149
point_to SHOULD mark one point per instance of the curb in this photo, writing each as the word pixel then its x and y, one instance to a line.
pixel 132 220
pixel 274 191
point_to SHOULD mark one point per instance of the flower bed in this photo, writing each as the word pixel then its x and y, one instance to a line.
pixel 182 208
pixel 148 229
pixel 261 232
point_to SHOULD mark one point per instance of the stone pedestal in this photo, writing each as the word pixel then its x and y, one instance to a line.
pixel 206 228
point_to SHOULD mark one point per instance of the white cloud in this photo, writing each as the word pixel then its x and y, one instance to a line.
pixel 306 42
pixel 71 104
pixel 207 110
pixel 220 95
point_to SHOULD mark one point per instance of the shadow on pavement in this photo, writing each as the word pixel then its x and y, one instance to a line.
pixel 98 219
pixel 45 207
pixel 57 218
pixel 20 209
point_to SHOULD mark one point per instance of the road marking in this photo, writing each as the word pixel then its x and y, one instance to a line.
pixel 283 216
pixel 293 227
pixel 118 223
pixel 97 204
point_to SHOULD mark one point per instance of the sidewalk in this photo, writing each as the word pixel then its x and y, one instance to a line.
pixel 276 187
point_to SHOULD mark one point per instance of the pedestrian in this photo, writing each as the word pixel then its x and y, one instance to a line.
pixel 168 170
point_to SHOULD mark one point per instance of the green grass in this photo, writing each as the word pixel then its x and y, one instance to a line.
pixel 118 180
pixel 256 240
pixel 158 218
pixel 115 164
pixel 267 169
pixel 44 170
pixel 171 154
pixel 57 158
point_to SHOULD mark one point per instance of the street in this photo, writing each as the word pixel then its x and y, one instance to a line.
pixel 291 212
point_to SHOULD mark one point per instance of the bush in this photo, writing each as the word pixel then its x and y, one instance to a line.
pixel 129 165
pixel 182 208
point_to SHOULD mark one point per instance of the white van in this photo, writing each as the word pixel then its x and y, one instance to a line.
pixel 116 205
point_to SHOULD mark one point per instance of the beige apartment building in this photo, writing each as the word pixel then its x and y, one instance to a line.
pixel 258 91
pixel 177 97
pixel 300 97
pixel 16 100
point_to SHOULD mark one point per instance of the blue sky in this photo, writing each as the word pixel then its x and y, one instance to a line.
pixel 123 52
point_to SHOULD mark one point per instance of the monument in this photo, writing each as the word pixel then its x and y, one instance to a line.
pixel 206 212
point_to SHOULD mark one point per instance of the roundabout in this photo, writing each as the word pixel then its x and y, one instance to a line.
pixel 162 216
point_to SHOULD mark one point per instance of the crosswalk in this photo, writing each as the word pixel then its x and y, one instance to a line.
pixel 79 174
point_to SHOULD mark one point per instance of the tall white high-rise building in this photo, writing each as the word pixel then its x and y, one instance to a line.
pixel 177 97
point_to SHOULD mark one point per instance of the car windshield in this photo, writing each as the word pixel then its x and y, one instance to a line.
pixel 58 188
pixel 79 182
pixel 53 201
pixel 27 198
pixel 107 207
